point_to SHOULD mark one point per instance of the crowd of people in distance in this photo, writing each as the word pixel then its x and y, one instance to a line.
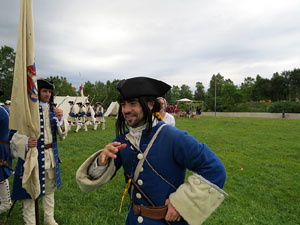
pixel 82 115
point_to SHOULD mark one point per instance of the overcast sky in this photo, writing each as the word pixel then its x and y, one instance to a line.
pixel 177 41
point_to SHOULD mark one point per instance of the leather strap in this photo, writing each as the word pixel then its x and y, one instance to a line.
pixel 47 146
pixel 4 142
pixel 153 212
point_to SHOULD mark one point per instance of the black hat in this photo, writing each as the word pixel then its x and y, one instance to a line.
pixel 79 103
pixel 44 83
pixel 141 86
pixel 98 103
pixel 70 102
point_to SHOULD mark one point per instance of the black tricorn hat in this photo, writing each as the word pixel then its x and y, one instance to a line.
pixel 141 86
pixel 99 103
pixel 70 102
pixel 44 83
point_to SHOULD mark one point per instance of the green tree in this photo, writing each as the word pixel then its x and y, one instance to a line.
pixel 7 60
pixel 174 95
pixel 262 89
pixel 215 84
pixel 100 94
pixel 89 90
pixel 279 87
pixel 105 93
pixel 230 96
pixel 185 92
pixel 200 92
pixel 294 84
pixel 246 89
pixel 112 94
pixel 62 86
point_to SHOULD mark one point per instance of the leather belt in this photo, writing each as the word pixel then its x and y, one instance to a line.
pixel 4 142
pixel 153 212
pixel 47 146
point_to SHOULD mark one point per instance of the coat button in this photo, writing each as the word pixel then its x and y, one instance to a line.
pixel 43 146
pixel 142 169
pixel 138 195
pixel 140 156
pixel 140 182
pixel 140 219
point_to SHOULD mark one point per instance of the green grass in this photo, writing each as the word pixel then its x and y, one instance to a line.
pixel 266 191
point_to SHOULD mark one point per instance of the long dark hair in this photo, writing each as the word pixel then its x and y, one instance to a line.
pixel 121 125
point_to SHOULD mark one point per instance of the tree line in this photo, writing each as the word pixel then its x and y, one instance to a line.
pixel 222 93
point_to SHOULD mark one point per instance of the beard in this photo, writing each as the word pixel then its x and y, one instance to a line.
pixel 134 119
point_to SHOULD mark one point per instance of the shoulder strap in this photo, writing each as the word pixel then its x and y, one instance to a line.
pixel 141 162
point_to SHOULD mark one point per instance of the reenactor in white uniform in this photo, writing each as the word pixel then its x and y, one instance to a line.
pixel 99 115
pixel 72 115
pixel 89 116
pixel 80 116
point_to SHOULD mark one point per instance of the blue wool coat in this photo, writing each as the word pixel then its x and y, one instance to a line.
pixel 4 136
pixel 18 193
pixel 171 154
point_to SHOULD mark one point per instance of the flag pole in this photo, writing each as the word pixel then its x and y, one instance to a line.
pixel 36 205
pixel 24 110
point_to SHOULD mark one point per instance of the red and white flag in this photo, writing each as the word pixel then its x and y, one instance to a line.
pixel 81 91
pixel 24 111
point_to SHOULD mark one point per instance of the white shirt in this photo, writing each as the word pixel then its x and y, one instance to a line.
pixel 169 119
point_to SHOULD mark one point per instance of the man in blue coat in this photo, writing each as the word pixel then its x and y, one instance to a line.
pixel 51 123
pixel 5 157
pixel 155 157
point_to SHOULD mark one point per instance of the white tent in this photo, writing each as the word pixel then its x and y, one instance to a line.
pixel 184 100
pixel 62 102
pixel 112 110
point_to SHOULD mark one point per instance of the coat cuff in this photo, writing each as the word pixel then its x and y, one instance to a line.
pixel 86 182
pixel 197 199
pixel 62 131
pixel 18 145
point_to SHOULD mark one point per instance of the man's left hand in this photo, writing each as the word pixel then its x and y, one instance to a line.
pixel 172 214
pixel 58 113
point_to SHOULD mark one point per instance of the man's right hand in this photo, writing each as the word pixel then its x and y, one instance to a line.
pixel 110 151
pixel 32 142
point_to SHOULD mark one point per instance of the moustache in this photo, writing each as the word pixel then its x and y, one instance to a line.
pixel 130 114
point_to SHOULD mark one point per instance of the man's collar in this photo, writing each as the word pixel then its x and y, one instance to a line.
pixel 44 104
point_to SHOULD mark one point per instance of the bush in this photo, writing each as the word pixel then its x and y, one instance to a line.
pixel 252 107
pixel 288 107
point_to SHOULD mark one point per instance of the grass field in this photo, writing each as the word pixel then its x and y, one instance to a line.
pixel 265 191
